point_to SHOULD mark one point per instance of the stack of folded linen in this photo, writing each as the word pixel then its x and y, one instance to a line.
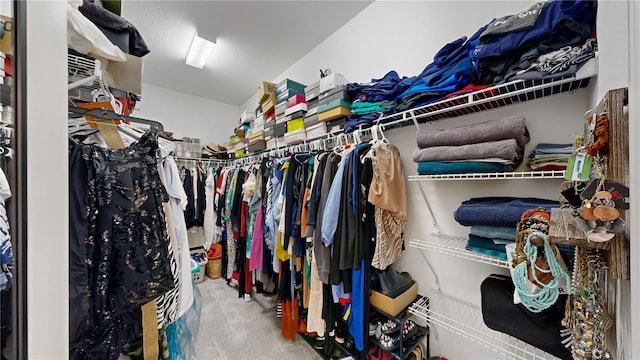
pixel 492 146
pixel 550 157
pixel 493 221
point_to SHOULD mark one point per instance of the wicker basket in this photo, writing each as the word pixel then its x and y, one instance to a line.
pixel 214 268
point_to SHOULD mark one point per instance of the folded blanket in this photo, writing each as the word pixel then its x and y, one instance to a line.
pixel 460 167
pixel 498 211
pixel 494 232
pixel 504 149
pixel 508 128
pixel 498 254
pixel 484 243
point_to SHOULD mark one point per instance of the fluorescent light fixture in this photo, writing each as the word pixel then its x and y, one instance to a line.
pixel 199 51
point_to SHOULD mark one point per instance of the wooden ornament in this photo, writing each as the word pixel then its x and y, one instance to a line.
pixel 587 213
pixel 603 195
pixel 606 213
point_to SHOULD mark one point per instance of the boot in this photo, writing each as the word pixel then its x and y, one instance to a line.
pixel 394 283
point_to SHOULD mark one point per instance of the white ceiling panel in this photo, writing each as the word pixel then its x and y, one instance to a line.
pixel 255 40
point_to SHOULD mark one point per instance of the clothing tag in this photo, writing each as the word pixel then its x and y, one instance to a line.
pixel 579 167
pixel 619 192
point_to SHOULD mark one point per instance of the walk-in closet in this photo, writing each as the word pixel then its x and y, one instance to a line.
pixel 360 180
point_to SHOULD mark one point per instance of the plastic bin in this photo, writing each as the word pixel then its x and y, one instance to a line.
pixel 199 255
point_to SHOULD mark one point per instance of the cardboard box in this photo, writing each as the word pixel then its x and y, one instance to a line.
pixel 281 107
pixel 295 136
pixel 338 93
pixel 312 91
pixel 334 113
pixel 5 44
pixel 310 120
pixel 269 103
pixel 287 84
pixel 394 306
pixel 295 100
pixel 296 108
pixel 265 90
pixel 126 76
pixel 247 116
pixel 334 104
pixel 317 130
pixel 331 81
pixel 295 124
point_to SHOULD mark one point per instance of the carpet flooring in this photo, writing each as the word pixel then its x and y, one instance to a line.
pixel 231 328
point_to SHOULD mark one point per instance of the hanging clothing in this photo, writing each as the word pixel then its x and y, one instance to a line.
pixel 209 223
pixel 6 248
pixel 119 246
pixel 178 202
pixel 388 194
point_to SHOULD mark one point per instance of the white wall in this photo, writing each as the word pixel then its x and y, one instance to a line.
pixel 47 181
pixel 188 116
pixel 404 36
pixel 613 38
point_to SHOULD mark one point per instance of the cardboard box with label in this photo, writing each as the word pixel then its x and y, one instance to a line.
pixel 393 306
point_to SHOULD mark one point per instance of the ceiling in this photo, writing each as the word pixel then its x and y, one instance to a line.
pixel 255 41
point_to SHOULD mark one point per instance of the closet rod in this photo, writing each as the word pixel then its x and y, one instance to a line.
pixel 110 115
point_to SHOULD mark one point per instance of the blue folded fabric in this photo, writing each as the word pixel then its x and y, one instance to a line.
pixel 485 243
pixel 462 167
pixel 497 254
pixel 494 232
pixel 498 211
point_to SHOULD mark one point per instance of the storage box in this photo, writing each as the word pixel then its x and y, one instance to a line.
pixel 334 94
pixel 282 119
pixel 285 95
pixel 317 130
pixel 256 135
pixel 331 81
pixel 334 113
pixel 393 306
pixel 280 129
pixel 334 104
pixel 269 103
pixel 295 124
pixel 270 115
pixel 295 136
pixel 312 91
pixel 126 76
pixel 295 100
pixel 200 256
pixel 291 110
pixel 288 84
pixel 256 146
pixel 281 107
pixel 268 133
pixel 311 111
pixel 311 120
pixel 265 90
pixel 247 116
pixel 297 114
pixel 336 124
pixel 271 143
pixel 312 104
pixel 234 139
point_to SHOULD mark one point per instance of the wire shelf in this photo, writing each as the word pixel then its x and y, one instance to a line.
pixel 465 319
pixel 455 246
pixel 85 78
pixel 491 98
pixel 515 175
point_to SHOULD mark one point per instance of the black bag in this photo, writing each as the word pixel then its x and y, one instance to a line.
pixel 541 330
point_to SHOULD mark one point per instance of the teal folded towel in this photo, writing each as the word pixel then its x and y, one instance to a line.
pixel 461 167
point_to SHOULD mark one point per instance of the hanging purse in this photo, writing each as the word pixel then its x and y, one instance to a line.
pixel 541 330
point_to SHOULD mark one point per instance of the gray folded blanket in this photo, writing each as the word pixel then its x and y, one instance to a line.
pixel 505 149
pixel 508 128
